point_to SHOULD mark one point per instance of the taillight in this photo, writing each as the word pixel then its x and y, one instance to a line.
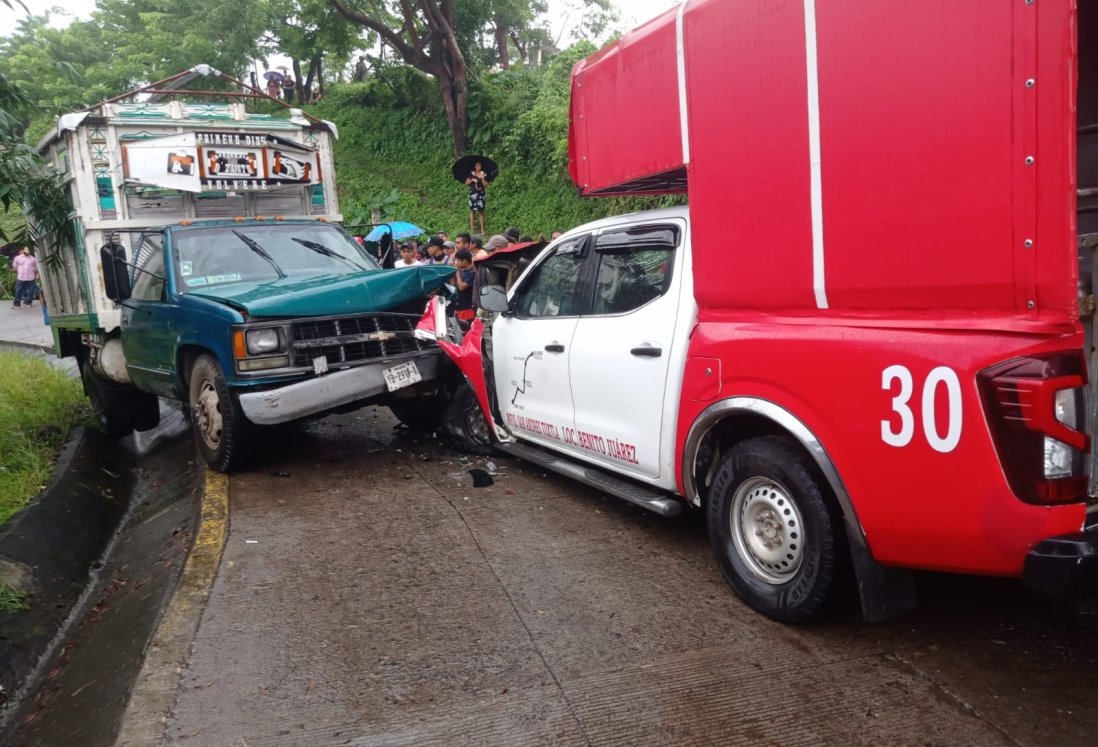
pixel 1037 410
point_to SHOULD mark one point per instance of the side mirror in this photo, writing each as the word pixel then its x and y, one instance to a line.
pixel 493 298
pixel 116 274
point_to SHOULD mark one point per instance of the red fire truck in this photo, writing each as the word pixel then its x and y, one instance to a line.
pixel 880 293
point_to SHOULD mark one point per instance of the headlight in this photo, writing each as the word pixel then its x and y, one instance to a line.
pixel 262 341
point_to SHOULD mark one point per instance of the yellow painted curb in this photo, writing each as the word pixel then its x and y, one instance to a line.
pixel 155 690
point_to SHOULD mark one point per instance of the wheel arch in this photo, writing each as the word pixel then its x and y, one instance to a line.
pixel 884 592
pixel 185 356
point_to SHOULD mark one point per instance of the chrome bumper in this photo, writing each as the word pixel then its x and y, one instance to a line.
pixel 329 391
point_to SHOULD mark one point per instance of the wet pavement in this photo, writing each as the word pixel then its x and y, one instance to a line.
pixel 24 326
pixel 369 595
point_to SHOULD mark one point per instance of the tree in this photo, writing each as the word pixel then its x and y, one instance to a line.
pixel 424 33
pixel 28 184
pixel 152 39
pixel 517 23
pixel 311 31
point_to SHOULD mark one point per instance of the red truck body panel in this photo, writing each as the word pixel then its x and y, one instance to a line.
pixel 925 125
pixel 928 239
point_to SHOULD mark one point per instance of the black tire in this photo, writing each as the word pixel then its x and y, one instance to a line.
pixel 219 427
pixel 110 403
pixel 775 536
pixel 423 414
pixel 464 427
pixel 145 409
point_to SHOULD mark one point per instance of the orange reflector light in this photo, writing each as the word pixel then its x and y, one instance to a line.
pixel 322 220
pixel 186 222
pixel 240 219
pixel 280 217
pixel 260 217
pixel 239 351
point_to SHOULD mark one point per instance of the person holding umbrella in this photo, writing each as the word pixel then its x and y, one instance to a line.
pixel 274 84
pixel 476 172
pixel 477 182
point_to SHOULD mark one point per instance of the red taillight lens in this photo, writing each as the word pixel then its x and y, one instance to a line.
pixel 1037 410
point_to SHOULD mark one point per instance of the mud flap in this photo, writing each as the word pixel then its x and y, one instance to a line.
pixel 884 593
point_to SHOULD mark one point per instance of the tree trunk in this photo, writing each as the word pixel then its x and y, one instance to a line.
pixel 501 45
pixel 308 87
pixel 455 99
pixel 298 83
pixel 315 75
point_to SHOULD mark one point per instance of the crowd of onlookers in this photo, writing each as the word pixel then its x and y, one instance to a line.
pixel 459 254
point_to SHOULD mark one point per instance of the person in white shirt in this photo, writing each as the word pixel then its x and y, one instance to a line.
pixel 407 257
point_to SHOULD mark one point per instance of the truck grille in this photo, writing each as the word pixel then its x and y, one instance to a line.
pixel 354 339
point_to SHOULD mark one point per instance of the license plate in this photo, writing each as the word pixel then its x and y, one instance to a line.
pixel 320 365
pixel 401 376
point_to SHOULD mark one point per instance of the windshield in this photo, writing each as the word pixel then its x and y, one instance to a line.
pixel 258 253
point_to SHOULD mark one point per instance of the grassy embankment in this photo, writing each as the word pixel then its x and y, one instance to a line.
pixel 38 407
pixel 394 151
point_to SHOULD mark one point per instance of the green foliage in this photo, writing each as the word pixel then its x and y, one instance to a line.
pixel 394 151
pixel 38 407
pixel 7 282
pixel 28 184
pixel 152 39
pixel 13 600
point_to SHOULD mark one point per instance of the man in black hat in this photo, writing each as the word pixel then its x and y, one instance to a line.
pixel 512 235
pixel 436 251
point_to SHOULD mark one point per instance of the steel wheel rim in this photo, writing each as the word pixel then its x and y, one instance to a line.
pixel 207 414
pixel 475 424
pixel 767 530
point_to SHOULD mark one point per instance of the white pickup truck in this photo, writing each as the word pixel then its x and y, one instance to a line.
pixel 587 347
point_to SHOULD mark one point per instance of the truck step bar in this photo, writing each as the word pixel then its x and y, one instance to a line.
pixel 638 495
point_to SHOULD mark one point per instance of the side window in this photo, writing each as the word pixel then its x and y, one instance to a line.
pixel 551 289
pixel 634 268
pixel 148 283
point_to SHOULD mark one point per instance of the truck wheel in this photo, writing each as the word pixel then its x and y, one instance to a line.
pixel 110 404
pixel 145 409
pixel 218 425
pixel 774 535
pixel 464 427
pixel 423 414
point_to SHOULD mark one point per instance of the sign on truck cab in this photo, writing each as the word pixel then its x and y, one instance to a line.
pixel 861 345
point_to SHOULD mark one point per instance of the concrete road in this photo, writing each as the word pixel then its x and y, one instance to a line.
pixel 369 595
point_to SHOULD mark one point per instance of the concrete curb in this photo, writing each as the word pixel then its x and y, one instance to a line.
pixel 19 346
pixel 154 692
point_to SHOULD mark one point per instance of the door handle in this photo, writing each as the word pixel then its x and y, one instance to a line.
pixel 647 351
pixel 554 347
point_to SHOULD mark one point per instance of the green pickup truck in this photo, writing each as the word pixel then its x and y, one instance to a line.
pixel 208 269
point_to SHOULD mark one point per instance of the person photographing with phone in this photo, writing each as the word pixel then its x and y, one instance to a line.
pixel 477 182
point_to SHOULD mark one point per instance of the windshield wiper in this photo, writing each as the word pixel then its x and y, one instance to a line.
pixel 320 248
pixel 255 247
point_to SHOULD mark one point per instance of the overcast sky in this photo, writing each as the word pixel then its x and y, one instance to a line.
pixel 632 12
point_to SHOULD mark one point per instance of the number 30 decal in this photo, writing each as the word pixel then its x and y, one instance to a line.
pixel 902 437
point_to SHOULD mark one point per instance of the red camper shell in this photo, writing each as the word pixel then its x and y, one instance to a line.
pixel 883 204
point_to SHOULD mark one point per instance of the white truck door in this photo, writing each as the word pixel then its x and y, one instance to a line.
pixel 622 348
pixel 531 347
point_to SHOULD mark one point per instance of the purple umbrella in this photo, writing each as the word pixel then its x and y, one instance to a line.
pixel 277 77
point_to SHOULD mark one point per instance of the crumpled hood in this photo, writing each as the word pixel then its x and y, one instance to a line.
pixel 328 295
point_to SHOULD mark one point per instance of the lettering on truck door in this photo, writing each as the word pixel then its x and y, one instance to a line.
pixel 622 347
pixel 532 345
